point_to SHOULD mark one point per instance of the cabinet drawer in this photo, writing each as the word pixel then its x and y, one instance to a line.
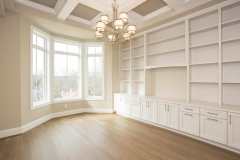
pixel 213 113
pixel 189 123
pixel 136 100
pixel 190 109
pixel 126 99
pixel 213 129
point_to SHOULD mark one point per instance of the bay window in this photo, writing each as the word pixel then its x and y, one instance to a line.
pixel 39 69
pixel 67 75
pixel 94 71
pixel 61 72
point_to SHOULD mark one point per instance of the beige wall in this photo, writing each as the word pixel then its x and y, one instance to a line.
pixel 28 115
pixel 10 90
pixel 15 75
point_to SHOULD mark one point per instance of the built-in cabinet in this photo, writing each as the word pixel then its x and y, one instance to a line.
pixel 222 127
pixel 195 59
pixel 234 130
pixel 168 115
pixel 149 111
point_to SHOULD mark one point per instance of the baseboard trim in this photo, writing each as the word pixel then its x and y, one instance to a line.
pixel 29 126
pixel 10 132
pixel 185 134
pixel 36 123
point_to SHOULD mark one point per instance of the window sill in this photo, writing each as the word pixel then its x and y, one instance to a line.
pixel 67 100
pixel 40 105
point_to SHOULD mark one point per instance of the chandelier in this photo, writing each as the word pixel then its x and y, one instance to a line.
pixel 113 30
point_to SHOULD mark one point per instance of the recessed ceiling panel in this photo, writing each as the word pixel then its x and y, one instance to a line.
pixel 48 3
pixel 149 6
pixel 85 12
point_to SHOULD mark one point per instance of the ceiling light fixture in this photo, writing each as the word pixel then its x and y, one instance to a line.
pixel 113 33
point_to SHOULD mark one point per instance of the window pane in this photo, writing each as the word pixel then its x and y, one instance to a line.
pixel 60 65
pixel 73 49
pixel 34 56
pixel 34 39
pixel 60 47
pixel 91 50
pixel 73 65
pixel 98 50
pixel 65 87
pixel 38 84
pixel 95 77
pixel 40 42
pixel 40 62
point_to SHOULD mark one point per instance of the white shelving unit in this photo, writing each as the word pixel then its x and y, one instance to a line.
pixel 196 58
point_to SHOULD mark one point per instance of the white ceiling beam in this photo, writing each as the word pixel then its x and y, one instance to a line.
pixel 67 9
pixel 2 11
pixel 78 19
pixel 156 13
pixel 174 4
pixel 135 19
pixel 59 6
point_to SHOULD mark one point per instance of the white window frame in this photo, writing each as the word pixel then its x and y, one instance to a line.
pixel 80 75
pixel 46 50
pixel 94 44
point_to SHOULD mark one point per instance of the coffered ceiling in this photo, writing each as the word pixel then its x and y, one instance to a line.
pixel 47 3
pixel 84 14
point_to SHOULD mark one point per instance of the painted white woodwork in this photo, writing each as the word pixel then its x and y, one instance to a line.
pixel 126 107
pixel 213 129
pixel 234 130
pixel 168 115
pixel 207 92
pixel 205 45
pixel 136 110
pixel 162 114
pixel 117 103
pixel 230 51
pixel 213 113
pixel 144 110
pixel 189 123
pixel 149 111
pixel 190 109
pixel 172 116
pixel 153 111
pixel 231 94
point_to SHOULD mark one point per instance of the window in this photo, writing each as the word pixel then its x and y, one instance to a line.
pixel 67 77
pixel 94 71
pixel 39 69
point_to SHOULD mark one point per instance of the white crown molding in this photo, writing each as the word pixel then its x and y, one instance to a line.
pixel 29 126
pixel 78 19
pixel 36 6
pixel 156 13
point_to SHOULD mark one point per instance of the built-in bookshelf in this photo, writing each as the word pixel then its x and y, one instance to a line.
pixel 196 58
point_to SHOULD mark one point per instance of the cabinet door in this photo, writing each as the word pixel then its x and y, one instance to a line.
pixel 153 108
pixel 136 110
pixel 126 107
pixel 213 129
pixel 162 114
pixel 172 116
pixel 234 130
pixel 144 110
pixel 189 123
pixel 117 103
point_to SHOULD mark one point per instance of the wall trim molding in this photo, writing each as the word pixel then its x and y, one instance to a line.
pixel 185 134
pixel 31 125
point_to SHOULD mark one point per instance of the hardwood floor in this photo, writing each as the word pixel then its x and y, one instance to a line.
pixel 105 137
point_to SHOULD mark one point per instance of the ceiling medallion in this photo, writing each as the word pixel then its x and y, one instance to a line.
pixel 113 33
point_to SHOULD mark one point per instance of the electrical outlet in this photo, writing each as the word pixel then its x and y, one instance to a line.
pixel 65 105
